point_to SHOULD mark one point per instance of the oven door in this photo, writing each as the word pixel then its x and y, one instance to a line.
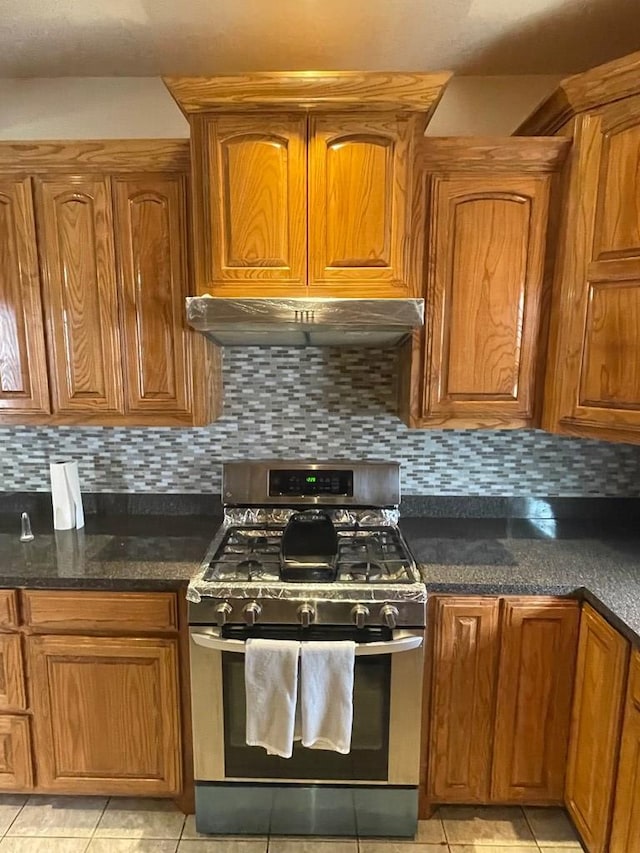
pixel 386 721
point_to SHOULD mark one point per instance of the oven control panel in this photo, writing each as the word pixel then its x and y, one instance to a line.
pixel 306 482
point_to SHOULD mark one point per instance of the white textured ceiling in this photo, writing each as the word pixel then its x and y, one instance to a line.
pixel 48 38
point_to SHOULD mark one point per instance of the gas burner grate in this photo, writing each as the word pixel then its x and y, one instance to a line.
pixel 365 555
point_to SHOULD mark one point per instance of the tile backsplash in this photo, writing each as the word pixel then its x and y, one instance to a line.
pixel 318 403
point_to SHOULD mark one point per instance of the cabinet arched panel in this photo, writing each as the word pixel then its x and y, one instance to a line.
pixel 252 185
pixel 151 229
pixel 76 247
pixel 485 262
pixel 617 226
pixel 359 186
pixel 23 368
pixel 359 170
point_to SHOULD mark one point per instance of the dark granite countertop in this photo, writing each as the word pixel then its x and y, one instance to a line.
pixel 597 561
pixel 118 552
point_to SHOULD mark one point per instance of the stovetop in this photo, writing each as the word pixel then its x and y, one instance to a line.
pixel 371 555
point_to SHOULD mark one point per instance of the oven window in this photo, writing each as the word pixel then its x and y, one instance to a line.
pixel 368 759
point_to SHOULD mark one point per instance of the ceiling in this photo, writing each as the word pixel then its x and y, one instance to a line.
pixel 50 38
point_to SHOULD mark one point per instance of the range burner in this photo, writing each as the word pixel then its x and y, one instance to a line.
pixel 309 544
pixel 365 555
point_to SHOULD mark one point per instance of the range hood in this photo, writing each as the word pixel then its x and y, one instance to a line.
pixel 305 322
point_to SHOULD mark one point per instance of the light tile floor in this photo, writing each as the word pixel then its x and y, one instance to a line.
pixel 97 825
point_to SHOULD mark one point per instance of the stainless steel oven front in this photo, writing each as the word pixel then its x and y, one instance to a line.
pixel 372 790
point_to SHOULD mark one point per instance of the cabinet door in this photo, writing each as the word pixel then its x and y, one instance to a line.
pixel 533 710
pixel 24 385
pixel 359 174
pixel 76 252
pixel 16 772
pixel 485 276
pixel 464 675
pixel 250 205
pixel 106 717
pixel 595 728
pixel 12 694
pixel 151 242
pixel 625 834
pixel 593 384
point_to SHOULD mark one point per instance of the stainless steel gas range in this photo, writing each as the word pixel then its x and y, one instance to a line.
pixel 309 551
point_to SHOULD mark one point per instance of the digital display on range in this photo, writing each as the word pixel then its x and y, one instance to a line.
pixel 302 483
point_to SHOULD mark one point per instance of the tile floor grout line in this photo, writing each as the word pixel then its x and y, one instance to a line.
pixel 15 817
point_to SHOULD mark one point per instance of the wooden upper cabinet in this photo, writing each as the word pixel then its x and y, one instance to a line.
pixel 23 366
pixel 464 673
pixel 77 258
pixel 601 674
pixel 481 222
pixel 359 204
pixel 250 204
pixel 593 384
pixel 625 833
pixel 533 710
pixel 151 242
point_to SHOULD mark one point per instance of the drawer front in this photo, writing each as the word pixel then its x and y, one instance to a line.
pixel 12 692
pixel 9 619
pixel 16 773
pixel 100 612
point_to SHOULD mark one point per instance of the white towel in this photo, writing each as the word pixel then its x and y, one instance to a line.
pixel 326 694
pixel 271 685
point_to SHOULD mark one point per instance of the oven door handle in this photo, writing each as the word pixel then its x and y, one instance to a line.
pixel 401 642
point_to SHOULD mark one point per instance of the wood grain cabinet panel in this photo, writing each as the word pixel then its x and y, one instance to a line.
pixel 77 259
pixel 533 709
pixel 462 702
pixel 96 611
pixel 16 771
pixel 601 673
pixel 486 263
pixel 12 692
pixel 359 174
pixel 151 242
pixel 106 717
pixel 593 379
pixel 24 385
pixel 625 833
pixel 250 204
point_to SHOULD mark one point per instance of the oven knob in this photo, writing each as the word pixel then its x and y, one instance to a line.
pixel 223 611
pixel 251 612
pixel 306 615
pixel 389 615
pixel 359 615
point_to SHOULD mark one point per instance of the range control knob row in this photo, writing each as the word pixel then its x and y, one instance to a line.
pixel 389 615
pixel 251 612
pixel 306 614
pixel 359 614
pixel 223 611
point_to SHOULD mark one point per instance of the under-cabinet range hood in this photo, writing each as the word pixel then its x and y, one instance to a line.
pixel 305 321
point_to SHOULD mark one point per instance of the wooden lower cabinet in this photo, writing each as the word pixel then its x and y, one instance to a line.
pixel 106 716
pixel 16 772
pixel 601 673
pixel 533 708
pixel 625 834
pixel 500 699
pixel 464 677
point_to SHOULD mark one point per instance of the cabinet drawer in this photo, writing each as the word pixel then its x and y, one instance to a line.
pixel 9 619
pixel 58 610
pixel 15 754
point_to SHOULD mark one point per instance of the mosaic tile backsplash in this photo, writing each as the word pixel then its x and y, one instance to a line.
pixel 318 403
